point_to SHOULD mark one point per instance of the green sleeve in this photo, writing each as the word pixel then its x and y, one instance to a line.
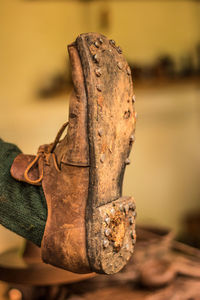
pixel 23 207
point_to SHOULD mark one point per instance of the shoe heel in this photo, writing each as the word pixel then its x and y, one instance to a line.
pixel 115 235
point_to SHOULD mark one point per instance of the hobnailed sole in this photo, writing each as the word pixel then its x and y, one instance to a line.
pixel 114 234
pixel 111 125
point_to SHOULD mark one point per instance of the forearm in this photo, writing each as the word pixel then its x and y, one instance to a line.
pixel 22 206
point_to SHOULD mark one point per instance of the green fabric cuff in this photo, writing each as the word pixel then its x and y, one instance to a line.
pixel 23 207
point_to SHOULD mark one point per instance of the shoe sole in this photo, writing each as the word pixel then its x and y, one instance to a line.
pixel 110 218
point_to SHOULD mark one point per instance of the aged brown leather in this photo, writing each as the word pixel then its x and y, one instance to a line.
pixel 90 226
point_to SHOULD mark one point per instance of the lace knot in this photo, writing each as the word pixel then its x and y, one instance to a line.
pixel 43 154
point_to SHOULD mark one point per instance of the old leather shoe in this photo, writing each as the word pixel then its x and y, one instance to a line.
pixel 90 226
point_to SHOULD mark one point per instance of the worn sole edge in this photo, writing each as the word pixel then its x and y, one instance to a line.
pixel 94 234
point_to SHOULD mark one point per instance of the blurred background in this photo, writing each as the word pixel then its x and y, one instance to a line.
pixel 161 41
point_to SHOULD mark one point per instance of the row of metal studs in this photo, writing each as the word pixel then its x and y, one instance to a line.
pixel 98 74
pixel 125 208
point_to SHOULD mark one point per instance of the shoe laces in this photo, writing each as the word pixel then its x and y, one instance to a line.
pixel 43 154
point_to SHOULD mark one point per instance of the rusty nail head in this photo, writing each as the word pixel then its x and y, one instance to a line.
pixel 121 207
pixel 132 138
pixel 112 211
pixel 112 42
pixel 100 132
pixel 126 208
pixel 127 114
pixel 127 247
pixel 132 205
pixel 98 72
pixel 96 44
pixel 105 243
pixel 128 70
pixel 133 99
pixel 131 220
pixel 119 64
pixel 135 214
pixel 119 50
pixel 99 88
pixel 107 220
pixel 127 161
pixel 107 232
pixel 102 158
pixel 133 234
pixel 96 59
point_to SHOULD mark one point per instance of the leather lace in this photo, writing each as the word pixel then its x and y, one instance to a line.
pixel 44 153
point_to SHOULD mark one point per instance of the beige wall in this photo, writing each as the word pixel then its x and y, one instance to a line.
pixel 34 34
pixel 33 40
pixel 165 171
pixel 149 28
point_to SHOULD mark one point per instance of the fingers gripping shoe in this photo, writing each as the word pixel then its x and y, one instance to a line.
pixel 90 226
